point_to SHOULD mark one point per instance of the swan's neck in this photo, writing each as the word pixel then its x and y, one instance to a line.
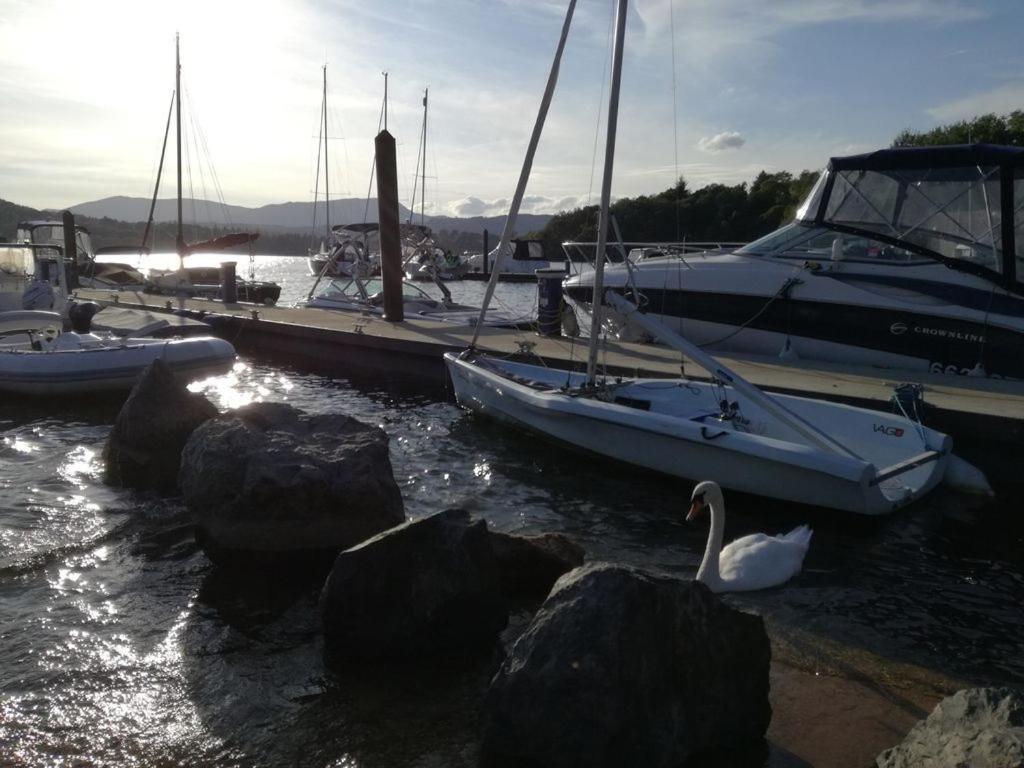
pixel 708 572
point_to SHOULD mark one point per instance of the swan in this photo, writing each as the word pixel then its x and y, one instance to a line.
pixel 752 562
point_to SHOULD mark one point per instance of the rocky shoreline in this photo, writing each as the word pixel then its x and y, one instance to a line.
pixel 615 664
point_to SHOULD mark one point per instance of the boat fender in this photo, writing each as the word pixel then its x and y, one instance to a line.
pixel 963 476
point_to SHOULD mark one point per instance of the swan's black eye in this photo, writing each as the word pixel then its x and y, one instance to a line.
pixel 699 497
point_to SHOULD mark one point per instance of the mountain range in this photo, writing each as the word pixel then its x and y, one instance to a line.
pixel 293 218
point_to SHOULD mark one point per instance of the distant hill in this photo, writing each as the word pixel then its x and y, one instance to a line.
pixel 284 228
pixel 291 217
pixel 11 214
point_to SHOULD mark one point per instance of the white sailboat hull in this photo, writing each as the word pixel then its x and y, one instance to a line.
pixel 673 428
pixel 108 365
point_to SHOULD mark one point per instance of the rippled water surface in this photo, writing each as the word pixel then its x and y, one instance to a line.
pixel 120 644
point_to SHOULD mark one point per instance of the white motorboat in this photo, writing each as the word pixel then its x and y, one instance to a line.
pixel 790 448
pixel 37 360
pixel 520 258
pixel 91 273
pixel 357 295
pixel 902 258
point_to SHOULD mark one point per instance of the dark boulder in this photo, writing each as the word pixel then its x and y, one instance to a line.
pixel 530 565
pixel 144 448
pixel 428 589
pixel 623 667
pixel 270 483
pixel 976 727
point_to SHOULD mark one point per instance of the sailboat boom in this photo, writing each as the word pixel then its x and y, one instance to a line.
pixel 726 375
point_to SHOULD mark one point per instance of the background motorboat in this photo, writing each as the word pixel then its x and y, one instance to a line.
pixel 91 273
pixel 899 258
pixel 354 251
pixel 357 295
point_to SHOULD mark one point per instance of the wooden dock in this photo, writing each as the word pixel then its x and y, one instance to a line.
pixel 984 416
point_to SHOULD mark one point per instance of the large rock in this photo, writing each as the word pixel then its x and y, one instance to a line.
pixel 428 589
pixel 144 448
pixel 269 482
pixel 530 565
pixel 976 727
pixel 622 667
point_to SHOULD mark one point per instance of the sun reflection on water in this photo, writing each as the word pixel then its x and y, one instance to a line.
pixel 79 465
pixel 240 386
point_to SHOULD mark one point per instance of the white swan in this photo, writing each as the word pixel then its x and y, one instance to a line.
pixel 753 562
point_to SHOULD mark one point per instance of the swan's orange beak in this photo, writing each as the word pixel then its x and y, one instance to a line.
pixel 695 509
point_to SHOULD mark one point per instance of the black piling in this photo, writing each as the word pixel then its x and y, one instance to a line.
pixel 70 251
pixel 228 282
pixel 487 270
pixel 549 301
pixel 390 237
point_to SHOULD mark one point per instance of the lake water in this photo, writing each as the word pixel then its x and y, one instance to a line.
pixel 120 644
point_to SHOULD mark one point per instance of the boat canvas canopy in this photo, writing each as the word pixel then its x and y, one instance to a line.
pixel 962 205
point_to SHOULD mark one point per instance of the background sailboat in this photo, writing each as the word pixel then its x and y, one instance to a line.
pixel 197 280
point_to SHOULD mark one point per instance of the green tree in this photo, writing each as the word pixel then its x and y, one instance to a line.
pixel 715 213
pixel 984 129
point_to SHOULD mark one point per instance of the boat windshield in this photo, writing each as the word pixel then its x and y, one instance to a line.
pixel 951 204
pixel 53 234
pixel 800 240
pixel 953 212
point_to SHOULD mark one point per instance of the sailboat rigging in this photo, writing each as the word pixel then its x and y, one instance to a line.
pixel 726 429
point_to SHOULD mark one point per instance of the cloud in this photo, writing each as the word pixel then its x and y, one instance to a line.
pixel 474 206
pixel 721 142
pixel 1001 100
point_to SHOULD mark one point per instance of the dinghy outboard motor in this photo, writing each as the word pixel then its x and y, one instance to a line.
pixel 81 314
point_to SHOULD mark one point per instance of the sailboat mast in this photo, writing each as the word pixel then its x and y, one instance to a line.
pixel 606 192
pixel 524 174
pixel 180 240
pixel 327 166
pixel 423 184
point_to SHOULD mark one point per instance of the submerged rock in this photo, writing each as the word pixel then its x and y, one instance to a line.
pixel 428 589
pixel 144 448
pixel 976 727
pixel 530 565
pixel 269 482
pixel 622 667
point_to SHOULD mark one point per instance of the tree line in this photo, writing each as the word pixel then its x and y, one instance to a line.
pixel 715 213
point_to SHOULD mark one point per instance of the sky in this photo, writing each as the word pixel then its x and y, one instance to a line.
pixel 713 90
